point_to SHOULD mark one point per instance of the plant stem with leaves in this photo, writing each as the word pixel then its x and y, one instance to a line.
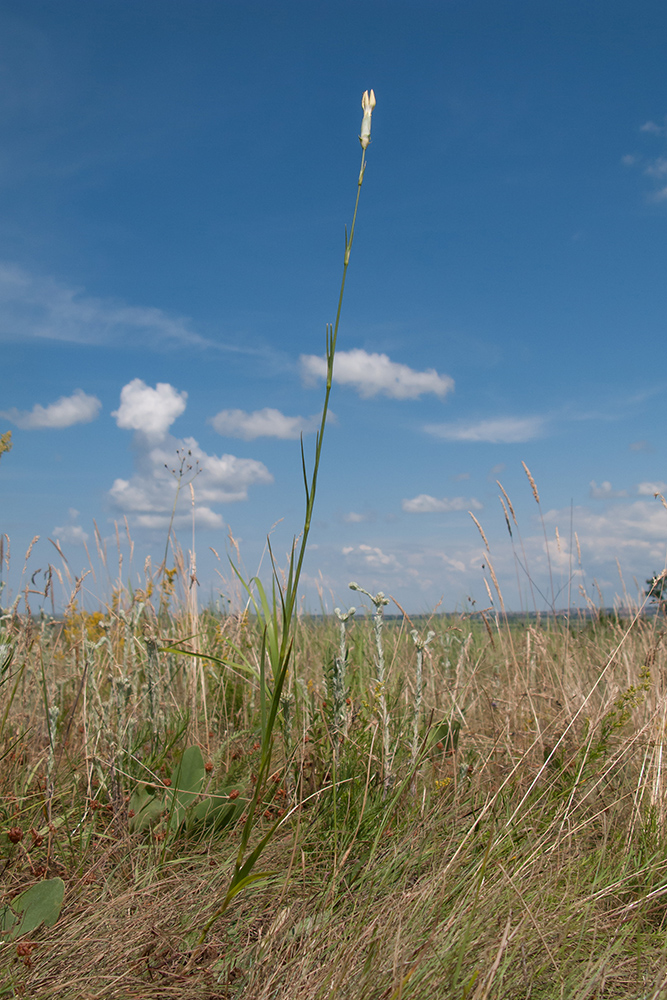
pixel 380 601
pixel 278 615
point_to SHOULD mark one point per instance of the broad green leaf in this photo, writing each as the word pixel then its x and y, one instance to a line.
pixel 40 904
pixel 187 779
pixel 217 811
pixel 146 806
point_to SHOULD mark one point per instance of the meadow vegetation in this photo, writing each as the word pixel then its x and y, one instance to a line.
pixel 262 804
pixel 520 852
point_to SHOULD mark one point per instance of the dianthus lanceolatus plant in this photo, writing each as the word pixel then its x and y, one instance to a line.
pixel 276 612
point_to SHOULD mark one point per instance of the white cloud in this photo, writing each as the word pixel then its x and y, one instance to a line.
pixel 605 491
pixel 425 504
pixel 451 562
pixel 373 374
pixel 354 517
pixel 650 489
pixel 262 423
pixel 640 446
pixel 43 308
pixel 149 411
pixel 372 556
pixel 148 496
pixel 500 430
pixel 66 411
pixel 634 532
pixel 628 160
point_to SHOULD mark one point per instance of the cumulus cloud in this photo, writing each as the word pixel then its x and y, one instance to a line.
pixel 452 561
pixel 605 491
pixel 425 504
pixel 262 423
pixel 151 412
pixel 148 496
pixel 65 412
pixel 376 374
pixel 500 430
pixel 354 518
pixel 650 489
pixel 33 307
pixel 634 532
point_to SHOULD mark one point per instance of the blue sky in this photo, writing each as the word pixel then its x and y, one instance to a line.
pixel 175 180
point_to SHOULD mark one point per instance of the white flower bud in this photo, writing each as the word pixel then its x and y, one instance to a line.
pixel 368 103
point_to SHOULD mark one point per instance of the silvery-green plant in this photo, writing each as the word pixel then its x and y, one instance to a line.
pixel 276 612
pixel 337 679
pixel 421 645
pixel 380 602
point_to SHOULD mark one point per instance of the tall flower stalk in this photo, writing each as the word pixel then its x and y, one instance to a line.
pixel 337 681
pixel 277 612
pixel 380 601
pixel 421 645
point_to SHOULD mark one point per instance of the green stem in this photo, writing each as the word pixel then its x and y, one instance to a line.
pixel 332 339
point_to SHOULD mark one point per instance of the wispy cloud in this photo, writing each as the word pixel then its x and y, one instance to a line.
pixel 70 534
pixel 263 423
pixel 375 374
pixel 655 167
pixel 425 504
pixel 148 496
pixel 650 489
pixel 605 491
pixel 353 517
pixel 34 307
pixel 654 128
pixel 371 555
pixel 499 430
pixel 65 412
